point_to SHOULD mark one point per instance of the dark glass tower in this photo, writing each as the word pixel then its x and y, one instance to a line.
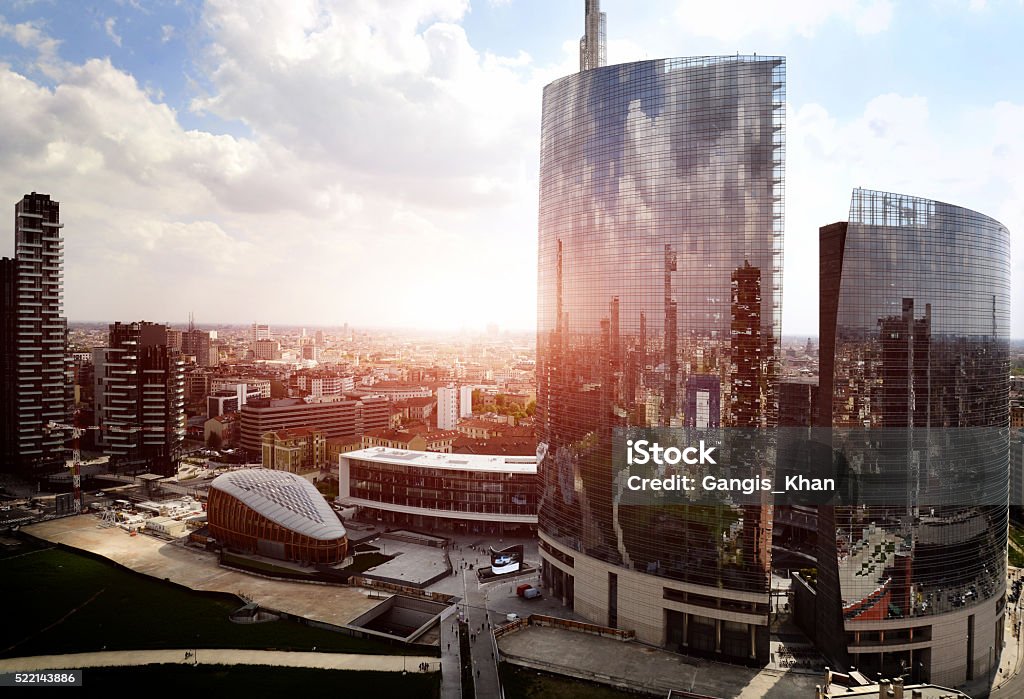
pixel 915 313
pixel 659 304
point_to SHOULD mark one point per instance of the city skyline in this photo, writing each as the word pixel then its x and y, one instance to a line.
pixel 182 140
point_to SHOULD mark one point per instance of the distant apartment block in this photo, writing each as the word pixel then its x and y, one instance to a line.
pixel 228 401
pixel 337 419
pixel 318 384
pixel 480 428
pixel 259 331
pixel 298 450
pixel 465 401
pixel 397 390
pixel 415 409
pixel 197 343
pixel 309 351
pixel 266 349
pixel 229 383
pixel 447 408
pixel 225 427
pixel 175 339
pixel 440 441
pixel 197 384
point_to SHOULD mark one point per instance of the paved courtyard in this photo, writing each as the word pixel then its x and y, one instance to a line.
pixel 413 564
pixel 638 666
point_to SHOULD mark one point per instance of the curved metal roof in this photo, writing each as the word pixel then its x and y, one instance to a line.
pixel 284 498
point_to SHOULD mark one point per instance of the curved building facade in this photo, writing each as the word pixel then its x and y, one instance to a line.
pixel 915 319
pixel 459 493
pixel 276 514
pixel 659 304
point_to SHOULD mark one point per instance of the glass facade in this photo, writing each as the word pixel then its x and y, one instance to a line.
pixel 444 490
pixel 659 304
pixel 469 494
pixel 915 319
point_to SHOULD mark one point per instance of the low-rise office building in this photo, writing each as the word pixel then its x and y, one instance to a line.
pixel 460 493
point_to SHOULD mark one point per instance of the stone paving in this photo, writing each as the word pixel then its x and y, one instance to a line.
pixel 640 667
pixel 413 564
pixel 214 656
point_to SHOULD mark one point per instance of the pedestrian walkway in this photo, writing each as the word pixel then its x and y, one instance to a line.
pixel 638 667
pixel 473 608
pixel 451 676
pixel 218 656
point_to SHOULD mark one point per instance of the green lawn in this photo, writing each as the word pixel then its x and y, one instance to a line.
pixel 260 681
pixel 365 561
pixel 521 683
pixel 58 601
pixel 262 566
pixel 1017 537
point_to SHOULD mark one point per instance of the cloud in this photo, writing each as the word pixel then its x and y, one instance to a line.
pixel 109 27
pixel 167 32
pixel 389 178
pixel 735 20
pixel 30 35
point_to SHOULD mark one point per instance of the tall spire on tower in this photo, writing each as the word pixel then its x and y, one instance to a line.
pixel 592 50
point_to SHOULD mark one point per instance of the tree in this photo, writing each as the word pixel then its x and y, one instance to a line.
pixel 214 441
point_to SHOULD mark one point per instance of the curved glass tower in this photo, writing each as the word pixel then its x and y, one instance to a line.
pixel 915 318
pixel 659 304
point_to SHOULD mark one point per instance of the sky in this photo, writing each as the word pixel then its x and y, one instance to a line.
pixel 374 162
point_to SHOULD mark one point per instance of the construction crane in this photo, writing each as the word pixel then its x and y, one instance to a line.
pixel 76 456
pixel 76 450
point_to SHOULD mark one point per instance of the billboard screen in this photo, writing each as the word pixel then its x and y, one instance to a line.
pixel 507 560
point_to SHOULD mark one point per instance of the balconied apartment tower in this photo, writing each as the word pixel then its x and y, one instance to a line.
pixel 140 397
pixel 35 368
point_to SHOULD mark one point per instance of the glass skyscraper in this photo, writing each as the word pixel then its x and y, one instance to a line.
pixel 915 319
pixel 659 304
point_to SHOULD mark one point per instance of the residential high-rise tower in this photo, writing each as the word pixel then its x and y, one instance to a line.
pixel 140 396
pixel 36 387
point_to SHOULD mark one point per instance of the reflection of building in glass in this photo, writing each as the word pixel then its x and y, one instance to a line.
pixel 798 402
pixel 752 354
pixel 703 406
pixel 915 298
pixel 461 493
pixel 659 304
pixel 592 43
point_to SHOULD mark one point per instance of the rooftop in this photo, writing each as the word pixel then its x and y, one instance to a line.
pixel 460 462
